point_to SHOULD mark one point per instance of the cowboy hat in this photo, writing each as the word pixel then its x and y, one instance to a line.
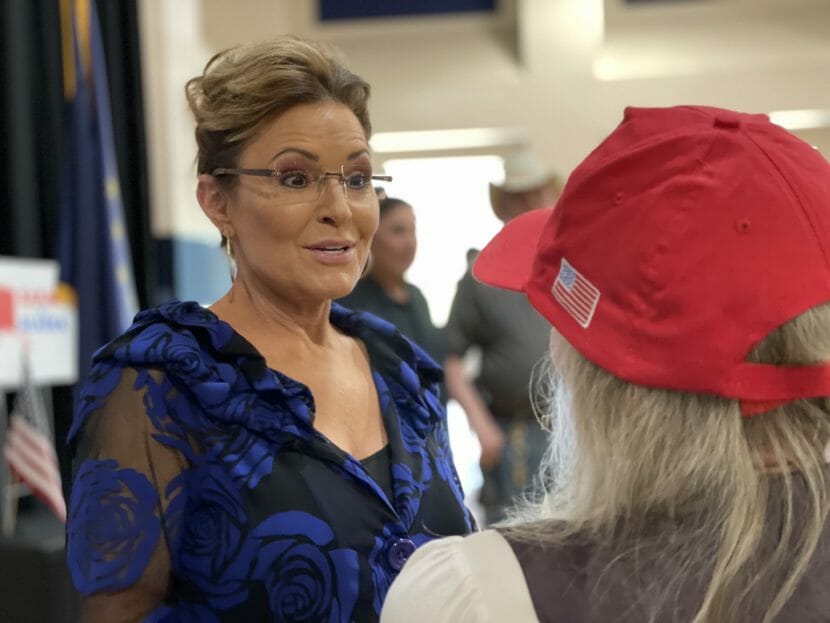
pixel 522 172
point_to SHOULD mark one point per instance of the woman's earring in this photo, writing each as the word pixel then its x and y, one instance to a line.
pixel 231 260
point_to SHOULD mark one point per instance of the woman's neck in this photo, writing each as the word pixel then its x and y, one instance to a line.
pixel 264 316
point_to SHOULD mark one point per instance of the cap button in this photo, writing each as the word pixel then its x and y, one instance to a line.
pixel 728 121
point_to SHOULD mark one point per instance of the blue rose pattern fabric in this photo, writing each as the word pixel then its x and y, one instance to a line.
pixel 113 527
pixel 308 578
pixel 264 519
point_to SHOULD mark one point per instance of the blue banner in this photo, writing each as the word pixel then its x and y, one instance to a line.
pixel 93 246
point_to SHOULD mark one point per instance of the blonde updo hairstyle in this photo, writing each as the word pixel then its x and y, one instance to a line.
pixel 630 465
pixel 243 88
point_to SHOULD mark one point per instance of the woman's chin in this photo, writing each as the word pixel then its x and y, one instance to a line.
pixel 337 286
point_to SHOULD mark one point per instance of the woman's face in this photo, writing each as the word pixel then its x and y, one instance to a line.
pixel 294 244
pixel 394 246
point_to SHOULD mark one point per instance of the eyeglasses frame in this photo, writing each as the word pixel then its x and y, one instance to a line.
pixel 320 179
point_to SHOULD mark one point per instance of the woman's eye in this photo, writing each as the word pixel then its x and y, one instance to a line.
pixel 358 181
pixel 293 179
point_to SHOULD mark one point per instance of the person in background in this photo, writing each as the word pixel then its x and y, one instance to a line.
pixel 274 457
pixel 384 290
pixel 510 336
pixel 686 273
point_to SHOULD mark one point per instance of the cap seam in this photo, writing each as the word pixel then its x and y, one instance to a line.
pixel 653 286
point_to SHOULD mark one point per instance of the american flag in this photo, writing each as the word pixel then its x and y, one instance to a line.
pixel 29 449
pixel 577 295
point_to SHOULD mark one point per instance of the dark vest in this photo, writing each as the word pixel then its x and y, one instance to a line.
pixel 573 583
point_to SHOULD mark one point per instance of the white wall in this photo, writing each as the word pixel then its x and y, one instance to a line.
pixel 562 73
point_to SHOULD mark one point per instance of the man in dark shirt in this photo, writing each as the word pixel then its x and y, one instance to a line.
pixel 512 338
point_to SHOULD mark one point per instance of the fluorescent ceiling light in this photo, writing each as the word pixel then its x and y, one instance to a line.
pixel 444 140
pixel 801 119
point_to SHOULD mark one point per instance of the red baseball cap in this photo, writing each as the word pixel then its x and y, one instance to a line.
pixel 685 238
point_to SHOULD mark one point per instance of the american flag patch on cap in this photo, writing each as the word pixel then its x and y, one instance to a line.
pixel 577 295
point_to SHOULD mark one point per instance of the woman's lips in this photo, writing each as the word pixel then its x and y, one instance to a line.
pixel 333 253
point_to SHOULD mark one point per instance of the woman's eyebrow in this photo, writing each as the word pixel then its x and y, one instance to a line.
pixel 302 152
pixel 357 154
pixel 311 156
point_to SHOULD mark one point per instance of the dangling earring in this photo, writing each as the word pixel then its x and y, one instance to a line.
pixel 231 260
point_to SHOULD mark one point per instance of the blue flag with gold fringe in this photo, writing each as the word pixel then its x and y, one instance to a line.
pixel 93 247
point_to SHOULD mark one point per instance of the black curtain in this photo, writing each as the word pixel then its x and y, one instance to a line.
pixel 31 100
pixel 31 118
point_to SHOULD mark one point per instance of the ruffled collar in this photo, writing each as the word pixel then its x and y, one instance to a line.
pixel 410 373
pixel 372 330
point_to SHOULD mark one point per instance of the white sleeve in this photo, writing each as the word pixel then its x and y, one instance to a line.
pixel 474 579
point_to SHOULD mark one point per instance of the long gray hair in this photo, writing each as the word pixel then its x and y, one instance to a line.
pixel 626 458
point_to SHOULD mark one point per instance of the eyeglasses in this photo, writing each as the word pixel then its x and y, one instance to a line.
pixel 298 185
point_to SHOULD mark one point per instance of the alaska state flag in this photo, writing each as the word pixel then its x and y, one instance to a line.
pixel 93 246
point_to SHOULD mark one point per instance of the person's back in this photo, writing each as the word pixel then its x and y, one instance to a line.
pixel 578 582
pixel 520 578
pixel 512 338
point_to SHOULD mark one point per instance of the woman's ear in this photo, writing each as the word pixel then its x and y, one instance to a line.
pixel 214 201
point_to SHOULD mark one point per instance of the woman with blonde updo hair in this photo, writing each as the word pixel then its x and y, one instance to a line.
pixel 274 457
pixel 686 274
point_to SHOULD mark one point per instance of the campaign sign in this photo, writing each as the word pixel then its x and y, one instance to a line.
pixel 38 320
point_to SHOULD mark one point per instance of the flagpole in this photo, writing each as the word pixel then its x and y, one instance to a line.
pixel 30 449
pixel 8 489
pixel 4 469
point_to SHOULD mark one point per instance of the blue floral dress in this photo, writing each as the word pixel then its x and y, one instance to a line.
pixel 200 477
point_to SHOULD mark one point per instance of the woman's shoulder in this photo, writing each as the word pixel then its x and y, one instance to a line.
pixel 177 340
pixel 170 343
pixel 462 579
pixel 169 333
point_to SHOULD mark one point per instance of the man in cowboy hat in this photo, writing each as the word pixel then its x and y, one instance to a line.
pixel 528 185
pixel 512 337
